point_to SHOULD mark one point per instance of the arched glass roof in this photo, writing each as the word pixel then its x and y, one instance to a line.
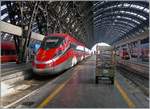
pixel 88 21
pixel 122 18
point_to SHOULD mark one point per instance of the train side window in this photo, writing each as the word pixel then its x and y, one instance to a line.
pixel 10 52
pixel 2 52
pixel 14 52
pixel 73 45
pixel 6 52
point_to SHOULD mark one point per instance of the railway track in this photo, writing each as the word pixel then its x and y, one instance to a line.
pixel 23 88
pixel 141 81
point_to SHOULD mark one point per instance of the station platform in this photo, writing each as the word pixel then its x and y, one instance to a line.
pixel 11 73
pixel 12 67
pixel 76 88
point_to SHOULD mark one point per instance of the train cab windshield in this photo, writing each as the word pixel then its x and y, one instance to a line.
pixel 51 42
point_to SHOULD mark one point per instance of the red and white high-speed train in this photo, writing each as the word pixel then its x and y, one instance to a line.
pixel 58 52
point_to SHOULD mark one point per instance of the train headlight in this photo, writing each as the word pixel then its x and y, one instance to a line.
pixel 49 65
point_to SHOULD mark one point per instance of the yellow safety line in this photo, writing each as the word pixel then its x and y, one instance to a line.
pixel 124 95
pixel 54 93
pixel 60 87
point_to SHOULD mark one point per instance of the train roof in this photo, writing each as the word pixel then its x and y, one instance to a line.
pixel 71 38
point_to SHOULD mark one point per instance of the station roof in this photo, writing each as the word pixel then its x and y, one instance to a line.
pixel 117 20
pixel 89 21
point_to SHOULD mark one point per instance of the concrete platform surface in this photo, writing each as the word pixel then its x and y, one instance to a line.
pixel 76 88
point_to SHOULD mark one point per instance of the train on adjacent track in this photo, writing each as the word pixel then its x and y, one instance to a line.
pixel 134 55
pixel 57 53
pixel 8 52
pixel 137 50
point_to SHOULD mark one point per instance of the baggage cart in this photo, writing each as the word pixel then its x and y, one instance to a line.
pixel 105 64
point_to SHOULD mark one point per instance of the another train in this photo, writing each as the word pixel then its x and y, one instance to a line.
pixel 57 53
pixel 8 52
pixel 134 56
pixel 137 50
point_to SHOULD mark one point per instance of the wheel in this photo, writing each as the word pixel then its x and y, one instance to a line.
pixel 96 80
pixel 112 80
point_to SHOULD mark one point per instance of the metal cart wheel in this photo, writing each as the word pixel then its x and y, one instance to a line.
pixel 96 80
pixel 112 80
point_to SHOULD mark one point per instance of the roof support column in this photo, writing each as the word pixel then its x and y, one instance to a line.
pixel 27 33
pixel 12 14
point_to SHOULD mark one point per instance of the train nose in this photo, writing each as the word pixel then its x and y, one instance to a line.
pixel 42 67
pixel 49 65
pixel 46 64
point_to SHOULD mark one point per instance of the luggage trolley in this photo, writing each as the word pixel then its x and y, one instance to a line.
pixel 105 63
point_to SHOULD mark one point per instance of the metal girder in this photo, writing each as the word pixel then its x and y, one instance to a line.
pixel 116 25
pixel 16 30
pixel 125 10
pixel 69 16
pixel 124 23
pixel 111 22
pixel 132 39
pixel 134 30
pixel 106 32
pixel 118 13
pixel 119 18
pixel 124 17
pixel 37 36
pixel 113 26
pixel 72 14
pixel 105 5
pixel 119 30
pixel 113 30
pixel 11 29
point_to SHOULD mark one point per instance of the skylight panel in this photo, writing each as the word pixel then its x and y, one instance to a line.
pixel 119 5
pixel 137 7
pixel 4 16
pixel 135 21
pixel 146 10
pixel 144 18
pixel 3 7
pixel 118 16
pixel 8 21
pixel 131 20
pixel 127 18
pixel 122 11
pixel 5 36
pixel 16 16
pixel 126 5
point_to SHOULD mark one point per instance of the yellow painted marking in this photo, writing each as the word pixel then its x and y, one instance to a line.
pixel 51 96
pixel 55 92
pixel 124 95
